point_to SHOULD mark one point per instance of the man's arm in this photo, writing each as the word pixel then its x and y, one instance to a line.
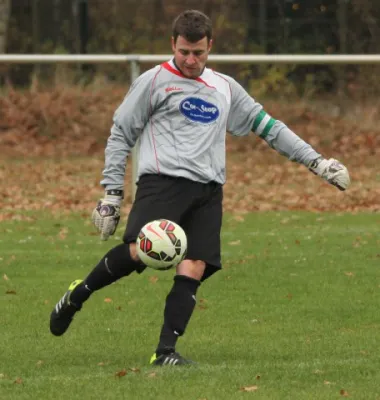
pixel 287 143
pixel 248 115
pixel 128 122
pixel 283 140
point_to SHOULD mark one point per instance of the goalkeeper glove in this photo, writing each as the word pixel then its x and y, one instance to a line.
pixel 106 214
pixel 332 171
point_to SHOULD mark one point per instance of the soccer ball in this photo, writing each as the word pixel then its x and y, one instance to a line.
pixel 161 244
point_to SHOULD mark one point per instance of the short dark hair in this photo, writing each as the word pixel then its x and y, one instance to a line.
pixel 193 25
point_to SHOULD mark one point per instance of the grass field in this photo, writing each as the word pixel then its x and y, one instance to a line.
pixel 294 314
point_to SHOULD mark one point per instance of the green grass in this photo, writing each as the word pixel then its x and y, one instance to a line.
pixel 295 312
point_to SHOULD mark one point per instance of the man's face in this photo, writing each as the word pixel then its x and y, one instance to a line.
pixel 189 57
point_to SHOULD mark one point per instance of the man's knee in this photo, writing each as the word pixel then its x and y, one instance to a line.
pixel 121 262
pixel 140 266
pixel 192 268
pixel 133 252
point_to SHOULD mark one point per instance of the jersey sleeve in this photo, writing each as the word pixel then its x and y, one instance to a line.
pixel 287 143
pixel 243 111
pixel 247 115
pixel 129 121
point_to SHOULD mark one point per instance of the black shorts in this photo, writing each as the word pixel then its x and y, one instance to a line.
pixel 197 207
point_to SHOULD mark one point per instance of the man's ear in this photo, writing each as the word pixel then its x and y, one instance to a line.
pixel 173 44
pixel 209 45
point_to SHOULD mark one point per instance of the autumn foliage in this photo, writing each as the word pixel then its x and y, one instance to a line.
pixel 53 142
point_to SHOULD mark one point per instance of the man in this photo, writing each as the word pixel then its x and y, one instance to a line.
pixel 181 111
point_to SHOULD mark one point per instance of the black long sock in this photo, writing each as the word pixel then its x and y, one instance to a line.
pixel 179 307
pixel 116 264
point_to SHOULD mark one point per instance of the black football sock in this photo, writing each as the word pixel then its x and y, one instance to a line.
pixel 179 307
pixel 116 264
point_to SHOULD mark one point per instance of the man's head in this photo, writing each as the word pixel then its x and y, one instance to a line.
pixel 191 42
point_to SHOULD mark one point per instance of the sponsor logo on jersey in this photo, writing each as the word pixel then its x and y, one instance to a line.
pixel 173 89
pixel 198 110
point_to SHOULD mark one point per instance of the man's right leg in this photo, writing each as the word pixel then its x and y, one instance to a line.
pixel 117 263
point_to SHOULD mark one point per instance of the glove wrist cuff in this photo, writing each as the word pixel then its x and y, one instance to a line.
pixel 318 166
pixel 115 192
pixel 314 164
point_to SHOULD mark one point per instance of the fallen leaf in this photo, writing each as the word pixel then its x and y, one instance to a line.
pixel 108 300
pixel 63 233
pixel 152 375
pixel 118 308
pixel 349 273
pixel 121 373
pixel 153 279
pixel 136 370
pixel 344 393
pixel 39 363
pixel 234 243
pixel 258 377
pixel 5 277
pixel 18 381
pixel 249 388
pixel 10 292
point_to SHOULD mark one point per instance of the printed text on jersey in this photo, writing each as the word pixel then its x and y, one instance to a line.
pixel 198 110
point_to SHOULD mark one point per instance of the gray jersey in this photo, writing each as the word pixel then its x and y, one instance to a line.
pixel 182 125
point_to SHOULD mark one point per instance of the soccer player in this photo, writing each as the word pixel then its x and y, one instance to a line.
pixel 180 110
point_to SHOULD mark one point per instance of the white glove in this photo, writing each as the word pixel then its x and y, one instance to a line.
pixel 106 214
pixel 332 171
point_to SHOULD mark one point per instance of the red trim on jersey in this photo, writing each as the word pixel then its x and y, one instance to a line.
pixel 151 122
pixel 229 85
pixel 174 71
pixel 220 76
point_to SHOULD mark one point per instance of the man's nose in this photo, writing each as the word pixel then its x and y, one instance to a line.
pixel 190 59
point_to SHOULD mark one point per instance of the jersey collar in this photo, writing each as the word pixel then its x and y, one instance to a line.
pixel 171 67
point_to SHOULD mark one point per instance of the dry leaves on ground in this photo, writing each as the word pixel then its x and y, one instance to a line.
pixel 47 131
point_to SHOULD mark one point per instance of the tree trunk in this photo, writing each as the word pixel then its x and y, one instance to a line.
pixel 4 19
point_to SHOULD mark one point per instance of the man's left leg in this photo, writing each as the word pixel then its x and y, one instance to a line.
pixel 179 307
pixel 202 226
